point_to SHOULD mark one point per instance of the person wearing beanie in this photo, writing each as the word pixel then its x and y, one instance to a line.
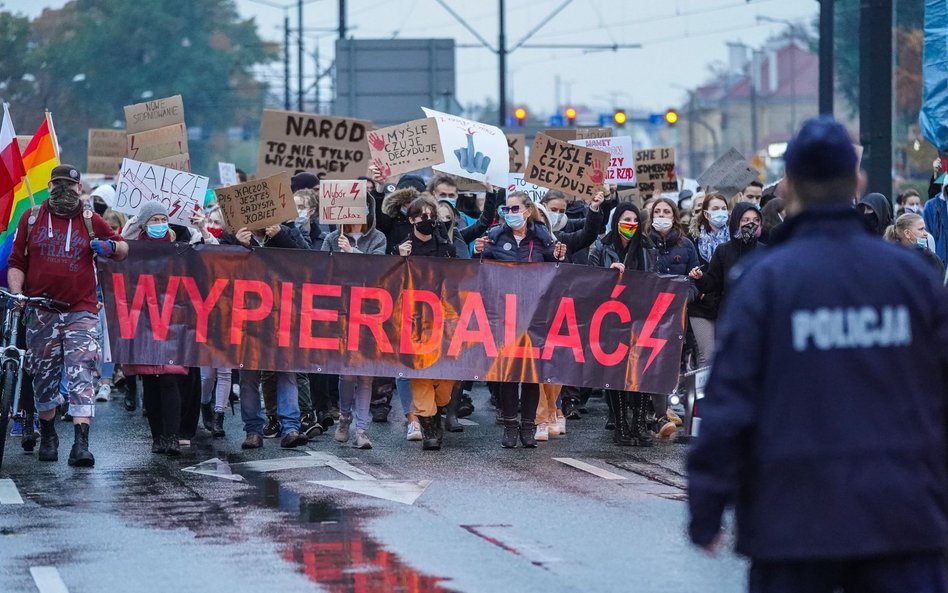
pixel 303 180
pixel 810 333
pixel 53 255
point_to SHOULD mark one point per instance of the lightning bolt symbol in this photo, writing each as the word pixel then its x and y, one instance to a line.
pixel 282 196
pixel 659 307
pixel 355 190
pixel 175 208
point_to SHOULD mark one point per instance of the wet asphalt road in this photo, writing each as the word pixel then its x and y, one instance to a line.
pixel 489 520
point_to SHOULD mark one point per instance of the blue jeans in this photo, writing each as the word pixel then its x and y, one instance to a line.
pixel 355 395
pixel 403 387
pixel 288 405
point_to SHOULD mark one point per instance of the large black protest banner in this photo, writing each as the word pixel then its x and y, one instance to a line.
pixel 230 307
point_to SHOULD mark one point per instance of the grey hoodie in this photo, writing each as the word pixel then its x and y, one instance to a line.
pixel 372 242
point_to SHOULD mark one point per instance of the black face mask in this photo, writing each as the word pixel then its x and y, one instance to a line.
pixel 63 200
pixel 749 232
pixel 872 220
pixel 425 227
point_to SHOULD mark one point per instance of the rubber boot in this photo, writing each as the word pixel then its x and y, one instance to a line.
pixel 622 435
pixel 80 456
pixel 429 433
pixel 641 403
pixel 218 432
pixel 49 441
pixel 511 432
pixel 207 416
pixel 451 423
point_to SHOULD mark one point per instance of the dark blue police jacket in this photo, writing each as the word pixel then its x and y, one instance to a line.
pixel 824 416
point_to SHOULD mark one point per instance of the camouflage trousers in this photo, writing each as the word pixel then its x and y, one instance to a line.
pixel 58 346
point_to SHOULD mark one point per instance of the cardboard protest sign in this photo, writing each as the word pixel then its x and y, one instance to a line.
pixel 157 144
pixel 655 171
pixel 342 202
pixel 331 147
pixel 180 191
pixel 228 173
pixel 152 115
pixel 574 170
pixel 23 141
pixel 630 195
pixel 568 134
pixel 257 204
pixel 621 157
pixel 517 151
pixel 106 151
pixel 516 183
pixel 730 174
pixel 104 165
pixel 406 147
pixel 181 162
pixel 471 149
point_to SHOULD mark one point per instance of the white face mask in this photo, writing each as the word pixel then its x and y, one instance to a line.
pixel 662 224
pixel 558 220
pixel 355 236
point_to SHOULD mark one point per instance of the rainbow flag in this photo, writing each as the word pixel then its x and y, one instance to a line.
pixel 39 159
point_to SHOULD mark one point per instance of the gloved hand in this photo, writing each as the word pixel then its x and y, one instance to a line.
pixel 103 248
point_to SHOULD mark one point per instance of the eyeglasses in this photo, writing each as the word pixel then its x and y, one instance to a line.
pixel 515 209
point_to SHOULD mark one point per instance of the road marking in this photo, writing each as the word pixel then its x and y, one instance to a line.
pixel 596 471
pixel 506 538
pixel 466 422
pixel 275 465
pixel 214 467
pixel 403 491
pixel 8 492
pixel 47 579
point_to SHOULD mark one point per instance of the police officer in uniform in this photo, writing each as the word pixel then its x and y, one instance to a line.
pixel 824 417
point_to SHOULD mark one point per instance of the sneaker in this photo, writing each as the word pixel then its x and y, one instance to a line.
pixel 543 433
pixel 272 429
pixel 103 394
pixel 309 426
pixel 667 430
pixel 414 431
pixel 362 440
pixel 293 439
pixel 673 417
pixel 571 411
pixel 342 431
pixel 561 424
pixel 553 429
pixel 17 429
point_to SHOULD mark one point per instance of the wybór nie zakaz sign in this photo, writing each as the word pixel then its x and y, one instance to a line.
pixel 330 147
pixel 574 170
pixel 342 202
pixel 257 204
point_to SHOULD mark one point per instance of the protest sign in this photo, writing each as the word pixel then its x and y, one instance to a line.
pixel 342 202
pixel 180 191
pixel 621 157
pixel 257 204
pixel 567 134
pixel 157 144
pixel 516 183
pixel 23 141
pixel 181 162
pixel 574 170
pixel 389 316
pixel 406 147
pixel 106 151
pixel 104 165
pixel 517 151
pixel 152 115
pixel 729 174
pixel 630 195
pixel 228 174
pixel 655 171
pixel 471 149
pixel 331 147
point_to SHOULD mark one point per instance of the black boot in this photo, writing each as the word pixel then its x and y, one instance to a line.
pixel 466 406
pixel 429 433
pixel 158 445
pixel 612 401
pixel 641 403
pixel 439 425
pixel 622 403
pixel 218 428
pixel 28 442
pixel 80 456
pixel 528 434
pixel 49 441
pixel 131 394
pixel 451 423
pixel 511 432
pixel 172 446
pixel 207 416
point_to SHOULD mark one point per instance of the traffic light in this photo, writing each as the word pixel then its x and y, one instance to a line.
pixel 570 116
pixel 620 117
pixel 520 114
pixel 671 117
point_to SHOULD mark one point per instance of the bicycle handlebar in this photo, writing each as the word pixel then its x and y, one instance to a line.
pixel 45 302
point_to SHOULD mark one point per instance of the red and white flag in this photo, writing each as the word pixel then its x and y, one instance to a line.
pixel 12 170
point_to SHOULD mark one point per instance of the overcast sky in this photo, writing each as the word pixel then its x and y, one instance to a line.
pixel 679 38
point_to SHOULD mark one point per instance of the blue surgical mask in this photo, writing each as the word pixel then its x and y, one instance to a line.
pixel 515 221
pixel 452 201
pixel 157 231
pixel 913 209
pixel 922 243
pixel 718 218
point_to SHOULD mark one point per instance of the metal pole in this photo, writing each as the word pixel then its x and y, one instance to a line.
pixel 316 108
pixel 299 55
pixel 502 55
pixel 286 60
pixel 754 79
pixel 692 156
pixel 827 60
pixel 875 92
pixel 342 19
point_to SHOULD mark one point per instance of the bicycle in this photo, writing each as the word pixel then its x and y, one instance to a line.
pixel 11 356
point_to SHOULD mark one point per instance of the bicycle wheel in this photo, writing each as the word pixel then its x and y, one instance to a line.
pixel 6 402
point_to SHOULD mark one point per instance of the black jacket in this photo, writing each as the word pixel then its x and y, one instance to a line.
pixel 289 237
pixel 823 421
pixel 536 245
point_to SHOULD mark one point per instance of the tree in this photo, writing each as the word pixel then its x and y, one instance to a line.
pixel 92 57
